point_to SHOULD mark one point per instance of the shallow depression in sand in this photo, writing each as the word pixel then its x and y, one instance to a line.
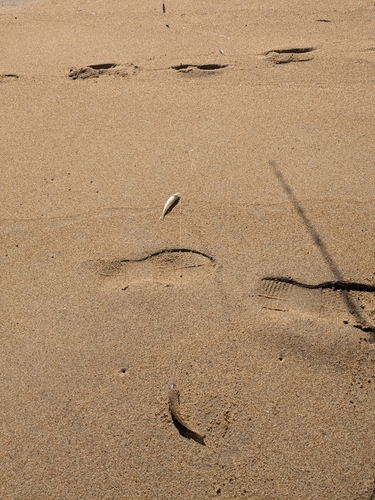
pixel 167 267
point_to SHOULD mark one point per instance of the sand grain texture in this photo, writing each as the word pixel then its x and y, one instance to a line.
pixel 261 115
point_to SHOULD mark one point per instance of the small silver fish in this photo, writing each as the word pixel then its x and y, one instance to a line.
pixel 172 200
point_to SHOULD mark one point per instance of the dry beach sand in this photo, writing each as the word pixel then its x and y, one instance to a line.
pixel 255 295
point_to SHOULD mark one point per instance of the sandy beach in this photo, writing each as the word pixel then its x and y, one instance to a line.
pixel 255 294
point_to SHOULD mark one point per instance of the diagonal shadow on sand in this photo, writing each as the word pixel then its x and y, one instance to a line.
pixel 340 282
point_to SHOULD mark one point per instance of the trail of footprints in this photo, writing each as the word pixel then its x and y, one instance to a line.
pixel 130 69
pixel 167 268
pixel 275 56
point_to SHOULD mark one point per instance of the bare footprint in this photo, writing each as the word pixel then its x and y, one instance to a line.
pixel 199 69
pixel 284 56
pixel 8 77
pixel 96 70
pixel 351 303
pixel 166 267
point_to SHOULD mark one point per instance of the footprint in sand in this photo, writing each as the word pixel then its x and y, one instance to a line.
pixel 348 302
pixel 166 267
pixel 8 77
pixel 199 69
pixel 96 70
pixel 284 56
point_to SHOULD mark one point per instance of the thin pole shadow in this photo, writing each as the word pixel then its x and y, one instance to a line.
pixel 350 304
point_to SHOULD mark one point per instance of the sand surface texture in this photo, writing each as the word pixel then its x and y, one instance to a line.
pixel 255 295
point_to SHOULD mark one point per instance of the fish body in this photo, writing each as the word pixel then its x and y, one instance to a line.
pixel 174 407
pixel 172 200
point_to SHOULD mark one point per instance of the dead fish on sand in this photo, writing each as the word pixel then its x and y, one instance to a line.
pixel 172 200
pixel 174 407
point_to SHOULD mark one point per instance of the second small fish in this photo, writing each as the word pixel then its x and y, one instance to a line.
pixel 174 408
pixel 172 200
